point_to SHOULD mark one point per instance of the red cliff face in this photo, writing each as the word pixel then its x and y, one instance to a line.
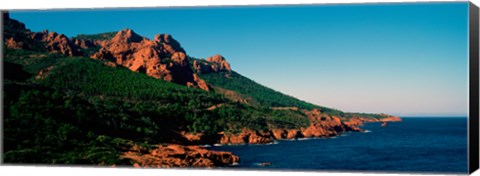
pixel 81 43
pixel 169 45
pixel 162 58
pixel 13 44
pixel 219 63
pixel 215 63
pixel 56 43
pixel 321 125
pixel 18 37
pixel 247 136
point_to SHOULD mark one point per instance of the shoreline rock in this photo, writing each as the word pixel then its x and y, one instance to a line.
pixel 175 155
pixel 321 126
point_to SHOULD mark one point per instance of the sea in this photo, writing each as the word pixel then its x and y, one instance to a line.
pixel 416 145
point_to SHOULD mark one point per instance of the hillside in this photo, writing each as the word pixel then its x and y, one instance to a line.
pixel 263 95
pixel 120 98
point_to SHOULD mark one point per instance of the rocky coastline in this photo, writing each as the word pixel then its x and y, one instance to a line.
pixel 139 54
pixel 193 154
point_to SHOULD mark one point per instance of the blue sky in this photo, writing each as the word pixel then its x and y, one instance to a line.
pixel 404 59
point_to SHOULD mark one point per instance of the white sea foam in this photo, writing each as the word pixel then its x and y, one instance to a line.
pixel 303 139
pixel 271 143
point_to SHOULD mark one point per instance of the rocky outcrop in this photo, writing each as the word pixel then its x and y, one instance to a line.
pixel 389 118
pixel 173 155
pixel 199 82
pixel 321 126
pixel 215 63
pixel 11 43
pixel 162 58
pixel 18 37
pixel 354 122
pixel 359 120
pixel 219 63
pixel 56 43
pixel 85 44
pixel 168 44
pixel 247 136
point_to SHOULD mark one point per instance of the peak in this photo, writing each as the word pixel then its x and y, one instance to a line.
pixel 220 61
pixel 127 35
pixel 127 30
pixel 216 58
pixel 171 45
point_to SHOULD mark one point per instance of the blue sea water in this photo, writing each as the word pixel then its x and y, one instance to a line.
pixel 418 145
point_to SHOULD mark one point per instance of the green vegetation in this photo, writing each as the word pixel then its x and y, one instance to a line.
pixel 364 115
pixel 265 96
pixel 77 110
pixel 289 119
pixel 81 110
pixel 45 126
pixel 32 61
pixel 93 37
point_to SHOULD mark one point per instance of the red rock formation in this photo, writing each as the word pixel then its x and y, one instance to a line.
pixel 174 155
pixel 212 64
pixel 294 134
pixel 200 83
pixel 169 45
pixel 56 43
pixel 143 55
pixel 82 43
pixel 358 120
pixel 280 133
pixel 219 63
pixel 17 36
pixel 389 118
pixel 354 122
pixel 162 58
pixel 321 125
pixel 247 136
pixel 11 43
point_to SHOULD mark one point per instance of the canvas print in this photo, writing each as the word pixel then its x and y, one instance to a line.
pixel 379 87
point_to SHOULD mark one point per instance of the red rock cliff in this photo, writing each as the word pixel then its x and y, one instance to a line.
pixel 56 43
pixel 162 58
pixel 215 63
pixel 18 37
